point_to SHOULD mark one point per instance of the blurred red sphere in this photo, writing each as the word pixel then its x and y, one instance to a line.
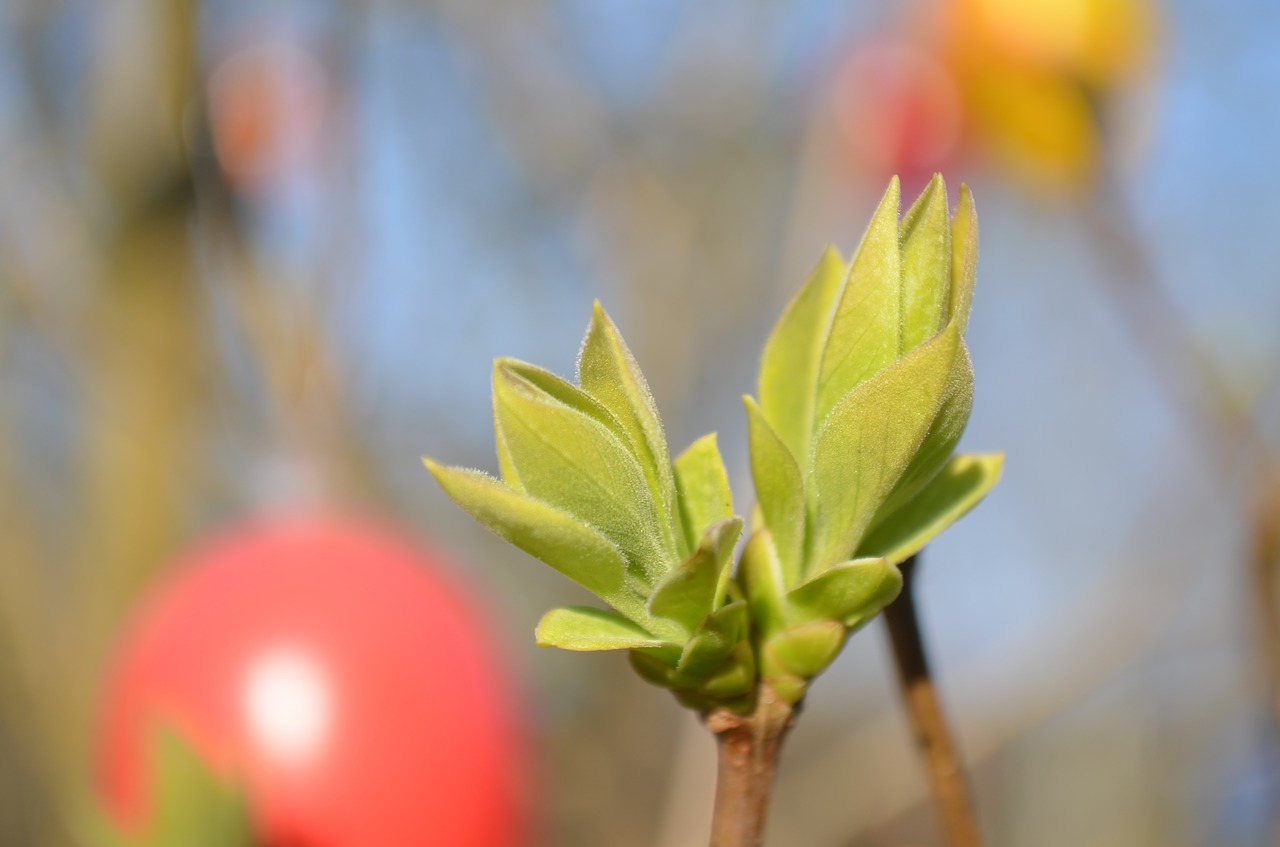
pixel 268 105
pixel 899 111
pixel 333 668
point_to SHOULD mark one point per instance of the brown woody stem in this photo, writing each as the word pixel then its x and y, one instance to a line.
pixel 748 748
pixel 946 774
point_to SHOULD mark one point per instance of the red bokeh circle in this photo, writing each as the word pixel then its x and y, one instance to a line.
pixel 334 668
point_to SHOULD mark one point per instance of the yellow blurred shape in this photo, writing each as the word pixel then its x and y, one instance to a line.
pixel 1042 31
pixel 1036 75
pixel 1037 127
pixel 1099 41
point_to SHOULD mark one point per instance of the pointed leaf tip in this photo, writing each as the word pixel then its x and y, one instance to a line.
pixel 608 372
pixel 948 497
pixel 864 334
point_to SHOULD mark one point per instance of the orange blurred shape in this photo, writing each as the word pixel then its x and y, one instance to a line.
pixel 267 103
pixel 1037 76
pixel 898 110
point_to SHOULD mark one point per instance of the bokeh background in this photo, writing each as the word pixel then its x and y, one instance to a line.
pixel 259 256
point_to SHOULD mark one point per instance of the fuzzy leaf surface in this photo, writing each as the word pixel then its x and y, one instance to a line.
pixel 959 487
pixel 850 592
pixel 692 591
pixel 780 489
pixel 944 434
pixel 584 628
pixel 870 439
pixel 569 459
pixel 790 367
pixel 760 573
pixel 926 265
pixel 702 485
pixel 865 330
pixel 806 649
pixel 552 535
pixel 964 259
pixel 608 371
pixel 714 640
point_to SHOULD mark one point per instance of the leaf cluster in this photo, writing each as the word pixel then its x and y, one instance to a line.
pixel 865 388
pixel 588 487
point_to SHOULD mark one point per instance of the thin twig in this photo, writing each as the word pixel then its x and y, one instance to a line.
pixel 748 748
pixel 946 773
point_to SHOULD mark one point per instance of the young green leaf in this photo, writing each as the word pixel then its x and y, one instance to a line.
pixel 926 260
pixel 609 372
pixel 584 628
pixel 703 491
pixel 560 389
pixel 964 258
pixel 760 573
pixel 944 434
pixel 506 464
pixel 865 330
pixel 692 591
pixel 735 678
pixel 714 640
pixel 849 592
pixel 569 459
pixel 804 650
pixel 952 493
pixel 557 538
pixel 870 439
pixel 792 358
pixel 780 488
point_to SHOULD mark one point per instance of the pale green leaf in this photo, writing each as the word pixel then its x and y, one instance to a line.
pixel 569 459
pixel 793 355
pixel 850 592
pixel 559 389
pixel 760 575
pixel 865 329
pixel 690 592
pixel 964 258
pixel 506 464
pixel 944 434
pixel 947 498
pixel 608 370
pixel 926 265
pixel 735 679
pixel 585 628
pixel 714 640
pixel 557 538
pixel 804 650
pixel 703 489
pixel 780 489
pixel 556 388
pixel 870 439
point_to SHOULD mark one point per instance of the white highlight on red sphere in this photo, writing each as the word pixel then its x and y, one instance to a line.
pixel 288 704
